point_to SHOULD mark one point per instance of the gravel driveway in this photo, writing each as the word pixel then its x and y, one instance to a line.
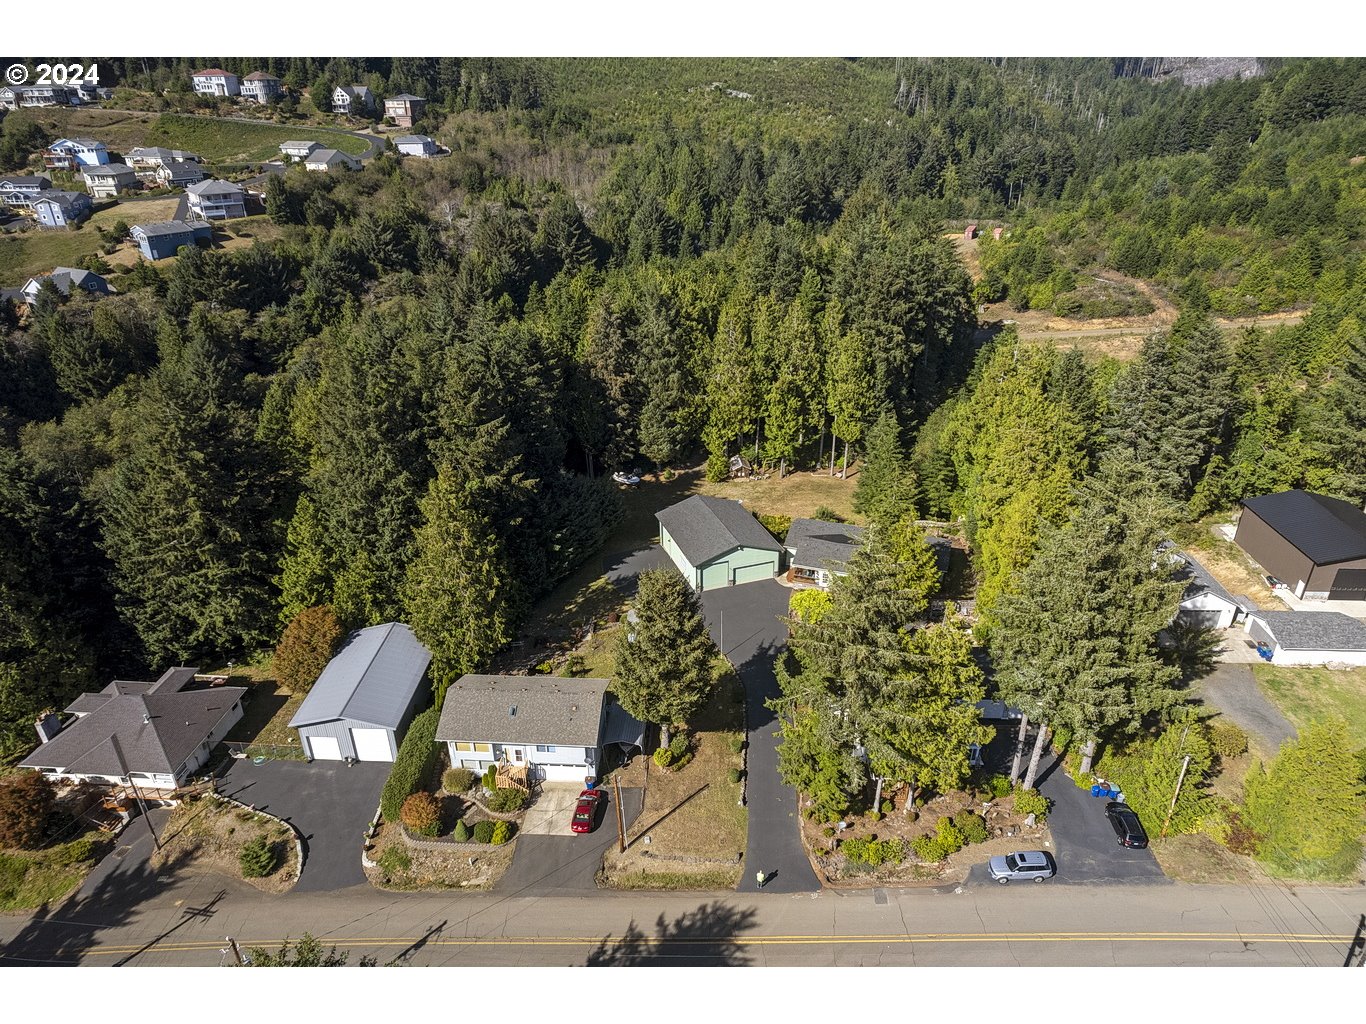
pixel 1233 690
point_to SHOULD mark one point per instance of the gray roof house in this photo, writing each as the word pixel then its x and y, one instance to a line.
pixel 1309 638
pixel 164 238
pixel 353 99
pixel 716 542
pixel 55 208
pixel 22 189
pixel 64 279
pixel 109 179
pixel 297 149
pixel 261 86
pixel 817 550
pixel 362 703
pixel 416 145
pixel 179 173
pixel 1204 602
pixel 330 160
pixel 140 157
pixel 216 200
pixel 554 727
pixel 155 735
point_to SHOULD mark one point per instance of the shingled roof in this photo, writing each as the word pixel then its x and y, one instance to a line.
pixel 1314 631
pixel 1325 529
pixel 523 709
pixel 817 544
pixel 371 680
pixel 704 528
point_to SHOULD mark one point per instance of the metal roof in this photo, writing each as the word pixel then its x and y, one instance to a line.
pixel 372 679
pixel 1325 529
pixel 523 709
pixel 705 528
pixel 1314 631
pixel 816 544
pixel 621 727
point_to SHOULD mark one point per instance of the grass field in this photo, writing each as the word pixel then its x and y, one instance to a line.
pixel 1305 695
pixel 37 252
pixel 797 495
pixel 29 880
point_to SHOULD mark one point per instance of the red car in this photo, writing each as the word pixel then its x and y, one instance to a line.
pixel 586 810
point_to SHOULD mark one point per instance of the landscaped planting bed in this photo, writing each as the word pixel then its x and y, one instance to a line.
pixel 213 833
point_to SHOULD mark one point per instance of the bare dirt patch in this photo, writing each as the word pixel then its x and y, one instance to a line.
pixel 210 833
pixel 1228 564
pixel 1199 859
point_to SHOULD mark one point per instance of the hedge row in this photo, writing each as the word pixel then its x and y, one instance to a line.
pixel 417 756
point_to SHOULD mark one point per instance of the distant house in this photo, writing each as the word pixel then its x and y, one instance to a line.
pixel 22 189
pixel 331 160
pixel 179 173
pixel 163 238
pixel 109 180
pixel 362 703
pixel 296 150
pixel 58 209
pixel 1309 638
pixel 404 109
pixel 716 542
pixel 14 97
pixel 1205 602
pixel 152 735
pixel 149 158
pixel 65 279
pixel 261 87
pixel 416 145
pixel 555 728
pixel 353 99
pixel 215 82
pixel 818 551
pixel 216 200
pixel 73 154
pixel 1313 544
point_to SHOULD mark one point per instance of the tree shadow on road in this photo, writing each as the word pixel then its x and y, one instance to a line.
pixel 705 937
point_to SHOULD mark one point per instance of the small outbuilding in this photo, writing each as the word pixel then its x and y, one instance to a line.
pixel 1314 544
pixel 1204 602
pixel 716 542
pixel 362 703
pixel 1309 638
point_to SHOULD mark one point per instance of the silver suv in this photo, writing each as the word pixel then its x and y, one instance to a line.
pixel 1032 864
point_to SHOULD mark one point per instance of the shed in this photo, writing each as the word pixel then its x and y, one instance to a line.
pixel 1314 544
pixel 366 696
pixel 716 542
pixel 1310 638
pixel 1204 602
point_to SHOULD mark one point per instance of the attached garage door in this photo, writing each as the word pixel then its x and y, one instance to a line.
pixel 715 575
pixel 1349 585
pixel 562 772
pixel 372 744
pixel 754 573
pixel 1200 617
pixel 324 748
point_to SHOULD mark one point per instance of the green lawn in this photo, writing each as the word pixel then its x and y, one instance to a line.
pixel 29 880
pixel 221 141
pixel 37 252
pixel 1307 694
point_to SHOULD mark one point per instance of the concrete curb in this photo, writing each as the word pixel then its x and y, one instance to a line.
pixel 298 837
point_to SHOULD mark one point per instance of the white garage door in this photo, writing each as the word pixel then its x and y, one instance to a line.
pixel 563 772
pixel 324 748
pixel 372 744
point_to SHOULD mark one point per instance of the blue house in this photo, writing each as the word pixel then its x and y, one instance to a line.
pixel 73 154
pixel 163 238
pixel 56 209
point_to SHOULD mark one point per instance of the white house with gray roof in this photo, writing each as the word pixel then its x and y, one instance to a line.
pixel 261 86
pixel 216 200
pixel 179 173
pixel 164 238
pixel 1204 602
pixel 65 279
pixel 1309 638
pixel 416 145
pixel 362 703
pixel 298 149
pixel 353 99
pixel 716 542
pixel 330 160
pixel 109 180
pixel 21 190
pixel 818 550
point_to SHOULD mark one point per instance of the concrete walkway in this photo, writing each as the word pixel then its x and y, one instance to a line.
pixel 1235 693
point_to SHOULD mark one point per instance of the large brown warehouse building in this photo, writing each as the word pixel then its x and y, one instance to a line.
pixel 1314 544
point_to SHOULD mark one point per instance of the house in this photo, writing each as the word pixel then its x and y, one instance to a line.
pixel 715 542
pixel 216 200
pixel 22 189
pixel 163 238
pixel 57 209
pixel 416 145
pixel 362 703
pixel 109 180
pixel 255 188
pixel 298 150
pixel 215 82
pixel 1309 638
pixel 555 727
pixel 13 97
pixel 154 735
pixel 73 154
pixel 261 87
pixel 353 99
pixel 1204 602
pixel 64 279
pixel 179 173
pixel 331 160
pixel 149 158
pixel 816 550
pixel 404 109
pixel 1314 544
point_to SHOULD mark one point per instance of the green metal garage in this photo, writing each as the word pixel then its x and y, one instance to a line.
pixel 716 542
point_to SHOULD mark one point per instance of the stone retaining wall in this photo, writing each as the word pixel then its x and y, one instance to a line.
pixel 450 845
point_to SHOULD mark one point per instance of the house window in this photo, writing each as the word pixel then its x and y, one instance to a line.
pixel 464 746
pixel 517 754
pixel 541 748
pixel 484 748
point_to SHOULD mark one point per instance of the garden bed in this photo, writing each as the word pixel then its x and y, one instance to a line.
pixel 399 867
pixel 212 833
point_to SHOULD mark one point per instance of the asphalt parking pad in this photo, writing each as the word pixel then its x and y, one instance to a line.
pixel 543 865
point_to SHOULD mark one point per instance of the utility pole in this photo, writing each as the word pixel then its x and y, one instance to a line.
pixel 621 825
pixel 236 952
pixel 142 805
pixel 1179 780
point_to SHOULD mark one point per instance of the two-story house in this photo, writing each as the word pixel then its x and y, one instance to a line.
pixel 261 87
pixel 148 158
pixel 65 279
pixel 13 97
pixel 216 82
pixel 163 238
pixel 216 200
pixel 331 160
pixel 179 173
pixel 20 190
pixel 73 154
pixel 404 109
pixel 298 150
pixel 109 180
pixel 416 145
pixel 58 209
pixel 353 99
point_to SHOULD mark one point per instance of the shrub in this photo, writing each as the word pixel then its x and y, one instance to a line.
pixel 873 852
pixel 461 834
pixel 1227 739
pixel 505 801
pixel 26 801
pixel 972 826
pixel 828 831
pixel 490 779
pixel 395 860
pixel 307 645
pixel 826 514
pixel 76 851
pixel 929 849
pixel 733 775
pixel 950 835
pixel 258 858
pixel 678 746
pixel 416 758
pixel 421 813
pixel 483 831
pixel 1031 801
pixel 999 786
pixel 737 744
pixel 664 757
pixel 874 815
pixel 502 832
pixel 887 807
pixel 776 525
pixel 457 780
pixel 681 763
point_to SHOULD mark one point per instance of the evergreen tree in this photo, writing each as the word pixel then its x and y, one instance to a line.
pixel 886 485
pixel 308 644
pixel 850 397
pixel 1348 419
pixel 304 580
pixel 1151 783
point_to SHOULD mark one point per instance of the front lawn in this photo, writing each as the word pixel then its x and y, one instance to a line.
pixel 31 880
pixel 1307 694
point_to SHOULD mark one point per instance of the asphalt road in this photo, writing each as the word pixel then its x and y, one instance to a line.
pixel 550 865
pixel 329 803
pixel 1234 691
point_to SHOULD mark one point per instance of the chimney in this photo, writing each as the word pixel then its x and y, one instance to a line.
pixel 48 726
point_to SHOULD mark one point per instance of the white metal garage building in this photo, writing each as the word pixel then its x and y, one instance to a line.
pixel 364 699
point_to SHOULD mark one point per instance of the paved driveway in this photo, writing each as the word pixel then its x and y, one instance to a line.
pixel 1234 691
pixel 329 803
pixel 550 864
pixel 622 567
pixel 549 813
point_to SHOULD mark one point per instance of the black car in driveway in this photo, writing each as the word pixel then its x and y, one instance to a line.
pixel 1128 829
